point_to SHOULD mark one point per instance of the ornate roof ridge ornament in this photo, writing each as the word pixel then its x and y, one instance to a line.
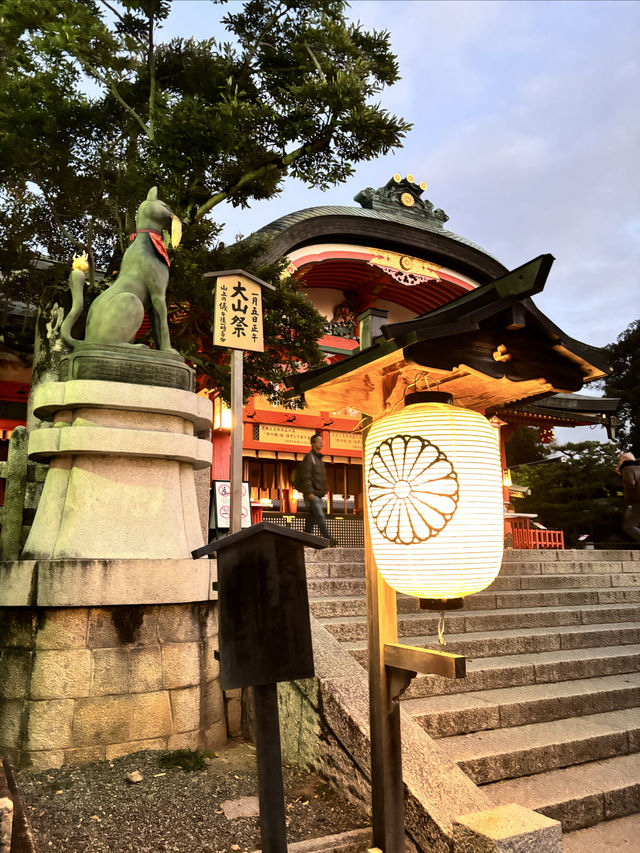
pixel 405 192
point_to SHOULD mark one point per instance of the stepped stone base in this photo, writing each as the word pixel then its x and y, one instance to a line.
pixel 121 481
pixel 130 363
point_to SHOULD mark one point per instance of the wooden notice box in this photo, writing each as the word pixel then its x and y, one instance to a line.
pixel 264 630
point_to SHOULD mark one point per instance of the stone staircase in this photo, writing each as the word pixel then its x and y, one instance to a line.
pixel 549 714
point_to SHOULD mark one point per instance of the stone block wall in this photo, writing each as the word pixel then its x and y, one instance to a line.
pixel 90 683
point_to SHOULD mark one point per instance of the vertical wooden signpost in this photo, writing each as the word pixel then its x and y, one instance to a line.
pixel 265 637
pixel 237 325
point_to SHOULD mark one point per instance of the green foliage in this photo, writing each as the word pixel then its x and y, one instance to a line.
pixel 578 495
pixel 624 382
pixel 94 111
pixel 525 446
pixel 187 759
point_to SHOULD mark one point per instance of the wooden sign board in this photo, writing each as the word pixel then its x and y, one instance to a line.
pixel 237 315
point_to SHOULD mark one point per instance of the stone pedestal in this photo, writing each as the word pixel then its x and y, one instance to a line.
pixel 127 363
pixel 107 626
pixel 121 476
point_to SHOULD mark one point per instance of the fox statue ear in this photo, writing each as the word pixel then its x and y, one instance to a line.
pixel 153 194
pixel 176 231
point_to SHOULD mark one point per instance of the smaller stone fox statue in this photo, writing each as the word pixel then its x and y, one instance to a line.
pixel 117 313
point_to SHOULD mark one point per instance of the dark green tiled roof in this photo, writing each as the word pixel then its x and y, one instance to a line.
pixel 392 214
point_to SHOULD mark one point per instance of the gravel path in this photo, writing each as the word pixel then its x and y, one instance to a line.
pixel 91 807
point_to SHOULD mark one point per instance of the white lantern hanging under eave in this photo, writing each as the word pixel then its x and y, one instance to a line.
pixel 434 495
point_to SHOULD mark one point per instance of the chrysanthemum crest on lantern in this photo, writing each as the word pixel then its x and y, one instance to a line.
pixel 413 489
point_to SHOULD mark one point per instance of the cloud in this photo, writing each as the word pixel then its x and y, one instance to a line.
pixel 527 132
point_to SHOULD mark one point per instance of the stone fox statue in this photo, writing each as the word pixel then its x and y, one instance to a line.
pixel 117 313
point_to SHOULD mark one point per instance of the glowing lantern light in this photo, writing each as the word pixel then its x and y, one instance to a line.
pixel 434 494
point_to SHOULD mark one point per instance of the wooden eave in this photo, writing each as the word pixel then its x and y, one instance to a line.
pixel 569 409
pixel 488 348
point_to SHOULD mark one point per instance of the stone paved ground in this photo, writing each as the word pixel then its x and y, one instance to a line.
pixel 612 836
pixel 91 807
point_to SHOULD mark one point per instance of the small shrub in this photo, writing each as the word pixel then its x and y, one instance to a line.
pixel 187 759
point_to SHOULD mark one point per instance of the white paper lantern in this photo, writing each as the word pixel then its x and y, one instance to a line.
pixel 434 495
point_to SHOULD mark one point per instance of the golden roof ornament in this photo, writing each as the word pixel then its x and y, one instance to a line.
pixel 405 193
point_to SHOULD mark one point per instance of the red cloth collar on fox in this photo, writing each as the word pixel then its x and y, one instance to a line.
pixel 156 239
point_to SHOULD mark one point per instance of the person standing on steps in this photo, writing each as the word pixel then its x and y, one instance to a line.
pixel 313 485
pixel 629 470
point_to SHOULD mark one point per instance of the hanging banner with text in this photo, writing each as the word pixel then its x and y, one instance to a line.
pixel 284 435
pixel 237 316
pixel 351 441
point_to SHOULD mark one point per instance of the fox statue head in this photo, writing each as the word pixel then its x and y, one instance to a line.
pixel 156 214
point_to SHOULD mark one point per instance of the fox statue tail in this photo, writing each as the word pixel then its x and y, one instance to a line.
pixel 76 284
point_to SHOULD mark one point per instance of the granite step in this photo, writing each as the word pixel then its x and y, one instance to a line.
pixel 578 796
pixel 548 715
pixel 570 566
pixel 540 590
pixel 326 569
pixel 353 627
pixel 563 581
pixel 573 581
pixel 482 644
pixel 462 713
pixel 538 668
pixel 515 555
pixel 489 756
pixel 336 605
pixel 328 587
pixel 334 555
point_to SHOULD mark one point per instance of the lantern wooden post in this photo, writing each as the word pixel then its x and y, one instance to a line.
pixel 387 790
pixel 391 669
pixel 392 666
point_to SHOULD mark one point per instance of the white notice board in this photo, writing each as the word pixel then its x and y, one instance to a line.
pixel 221 505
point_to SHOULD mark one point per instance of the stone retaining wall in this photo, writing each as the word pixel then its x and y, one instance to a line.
pixel 89 683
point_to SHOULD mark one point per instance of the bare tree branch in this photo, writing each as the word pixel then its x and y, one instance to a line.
pixel 315 62
pixel 93 71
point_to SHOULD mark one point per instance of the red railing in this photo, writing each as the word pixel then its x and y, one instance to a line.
pixel 528 537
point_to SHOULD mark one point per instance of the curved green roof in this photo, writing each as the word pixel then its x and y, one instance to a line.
pixel 393 214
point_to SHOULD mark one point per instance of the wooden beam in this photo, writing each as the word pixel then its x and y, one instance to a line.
pixel 515 317
pixel 426 661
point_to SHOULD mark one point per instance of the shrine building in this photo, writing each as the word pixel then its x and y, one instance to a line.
pixel 374 269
